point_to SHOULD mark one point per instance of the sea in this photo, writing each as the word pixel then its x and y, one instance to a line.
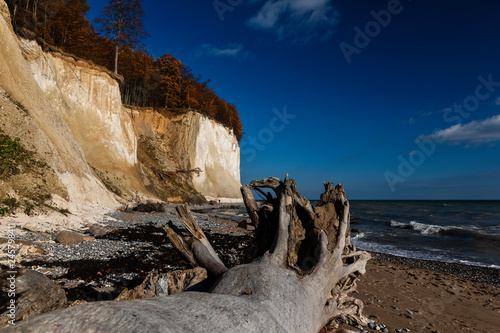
pixel 466 232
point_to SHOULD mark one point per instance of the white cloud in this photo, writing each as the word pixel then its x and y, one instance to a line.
pixel 300 20
pixel 268 16
pixel 475 132
pixel 231 50
pixel 445 110
pixel 497 102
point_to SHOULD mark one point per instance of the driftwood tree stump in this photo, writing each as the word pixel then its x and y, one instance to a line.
pixel 298 283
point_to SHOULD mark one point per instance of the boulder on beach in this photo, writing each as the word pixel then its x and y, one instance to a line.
pixel 36 294
pixel 97 231
pixel 69 238
pixel 30 226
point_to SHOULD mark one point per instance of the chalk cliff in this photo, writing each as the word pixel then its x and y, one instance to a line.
pixel 95 152
pixel 89 102
pixel 28 115
pixel 192 146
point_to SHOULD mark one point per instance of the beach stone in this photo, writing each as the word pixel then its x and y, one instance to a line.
pixel 31 227
pixel 69 238
pixel 36 294
pixel 45 235
pixel 97 231
pixel 30 250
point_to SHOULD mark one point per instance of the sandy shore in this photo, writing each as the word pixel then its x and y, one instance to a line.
pixel 426 296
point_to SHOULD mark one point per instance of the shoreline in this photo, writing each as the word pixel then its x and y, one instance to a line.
pixel 484 274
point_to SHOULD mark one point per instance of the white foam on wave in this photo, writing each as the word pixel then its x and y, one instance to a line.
pixel 424 229
pixel 359 235
pixel 398 224
pixel 474 263
pixel 427 229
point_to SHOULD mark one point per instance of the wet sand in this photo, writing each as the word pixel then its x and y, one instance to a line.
pixel 426 296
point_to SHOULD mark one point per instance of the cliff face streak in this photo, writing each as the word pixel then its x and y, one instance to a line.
pixel 69 113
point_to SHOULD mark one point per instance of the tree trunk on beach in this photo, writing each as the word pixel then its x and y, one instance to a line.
pixel 305 268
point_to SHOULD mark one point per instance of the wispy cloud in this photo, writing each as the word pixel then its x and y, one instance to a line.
pixel 231 50
pixel 497 102
pixel 475 132
pixel 300 20
pixel 445 110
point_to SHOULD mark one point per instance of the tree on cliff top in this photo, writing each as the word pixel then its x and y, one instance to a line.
pixel 121 20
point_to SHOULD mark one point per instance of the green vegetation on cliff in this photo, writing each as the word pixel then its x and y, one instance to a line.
pixel 17 160
pixel 14 158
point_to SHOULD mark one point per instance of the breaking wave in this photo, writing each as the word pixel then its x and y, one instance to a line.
pixel 429 229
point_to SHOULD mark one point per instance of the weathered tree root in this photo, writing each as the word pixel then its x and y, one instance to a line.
pixel 302 232
pixel 299 282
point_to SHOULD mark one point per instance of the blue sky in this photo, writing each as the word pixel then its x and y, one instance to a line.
pixel 393 99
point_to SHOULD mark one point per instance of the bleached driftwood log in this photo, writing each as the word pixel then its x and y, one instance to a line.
pixel 298 284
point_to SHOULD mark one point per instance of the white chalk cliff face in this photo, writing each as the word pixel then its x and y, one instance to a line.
pixel 34 120
pixel 217 154
pixel 77 123
pixel 89 101
pixel 190 141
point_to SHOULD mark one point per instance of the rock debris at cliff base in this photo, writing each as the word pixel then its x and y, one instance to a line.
pixel 102 267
